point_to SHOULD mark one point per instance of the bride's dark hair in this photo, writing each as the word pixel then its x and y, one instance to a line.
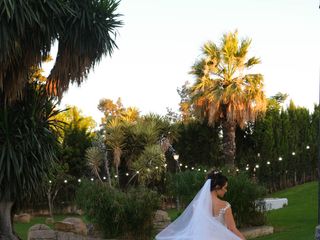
pixel 217 180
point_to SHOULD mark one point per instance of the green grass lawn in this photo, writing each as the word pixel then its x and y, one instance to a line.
pixel 22 228
pixel 297 221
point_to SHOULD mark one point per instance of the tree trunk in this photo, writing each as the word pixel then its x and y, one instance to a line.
pixel 6 232
pixel 229 142
pixel 107 168
pixel 50 204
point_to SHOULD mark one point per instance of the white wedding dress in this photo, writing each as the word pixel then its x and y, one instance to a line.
pixel 197 221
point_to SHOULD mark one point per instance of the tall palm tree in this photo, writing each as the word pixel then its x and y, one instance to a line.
pixel 225 91
pixel 85 31
pixel 28 145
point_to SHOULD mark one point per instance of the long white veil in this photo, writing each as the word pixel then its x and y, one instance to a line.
pixel 197 221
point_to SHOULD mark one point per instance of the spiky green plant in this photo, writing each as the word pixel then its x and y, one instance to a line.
pixel 27 149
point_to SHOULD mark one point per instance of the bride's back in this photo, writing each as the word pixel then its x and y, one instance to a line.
pixel 218 205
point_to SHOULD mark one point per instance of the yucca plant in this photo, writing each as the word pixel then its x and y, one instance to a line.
pixel 85 31
pixel 94 158
pixel 27 148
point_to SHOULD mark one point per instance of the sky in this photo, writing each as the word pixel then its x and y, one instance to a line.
pixel 161 39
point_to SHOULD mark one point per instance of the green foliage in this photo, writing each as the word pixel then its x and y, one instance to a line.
pixel 77 136
pixel 198 144
pixel 150 164
pixel 28 143
pixel 119 214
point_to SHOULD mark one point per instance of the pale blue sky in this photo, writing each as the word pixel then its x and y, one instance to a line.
pixel 161 39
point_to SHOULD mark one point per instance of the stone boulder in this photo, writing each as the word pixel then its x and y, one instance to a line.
pixel 254 232
pixel 161 220
pixel 64 226
pixel 22 218
pixel 41 232
pixel 79 226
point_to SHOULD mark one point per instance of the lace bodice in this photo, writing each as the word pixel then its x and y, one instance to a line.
pixel 220 216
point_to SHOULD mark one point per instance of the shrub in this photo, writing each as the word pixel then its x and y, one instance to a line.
pixel 243 194
pixel 119 214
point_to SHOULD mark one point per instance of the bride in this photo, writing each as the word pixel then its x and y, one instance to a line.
pixel 207 217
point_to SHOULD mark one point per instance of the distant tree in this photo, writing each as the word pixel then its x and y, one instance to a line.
pixel 54 182
pixel 117 111
pixel 76 136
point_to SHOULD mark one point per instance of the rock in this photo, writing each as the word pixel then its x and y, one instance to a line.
pixel 161 220
pixel 41 232
pixel 161 216
pixel 69 236
pixel 64 226
pixel 23 218
pixel 79 226
pixel 254 232
pixel 49 220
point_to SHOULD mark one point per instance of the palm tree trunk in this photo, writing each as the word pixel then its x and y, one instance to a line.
pixel 6 232
pixel 229 142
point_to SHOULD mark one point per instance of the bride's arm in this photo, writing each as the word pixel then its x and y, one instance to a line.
pixel 229 221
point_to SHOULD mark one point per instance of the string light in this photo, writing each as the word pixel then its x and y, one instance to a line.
pixel 91 179
pixel 193 168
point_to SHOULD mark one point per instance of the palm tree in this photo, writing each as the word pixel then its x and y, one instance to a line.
pixel 85 31
pixel 28 145
pixel 225 91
